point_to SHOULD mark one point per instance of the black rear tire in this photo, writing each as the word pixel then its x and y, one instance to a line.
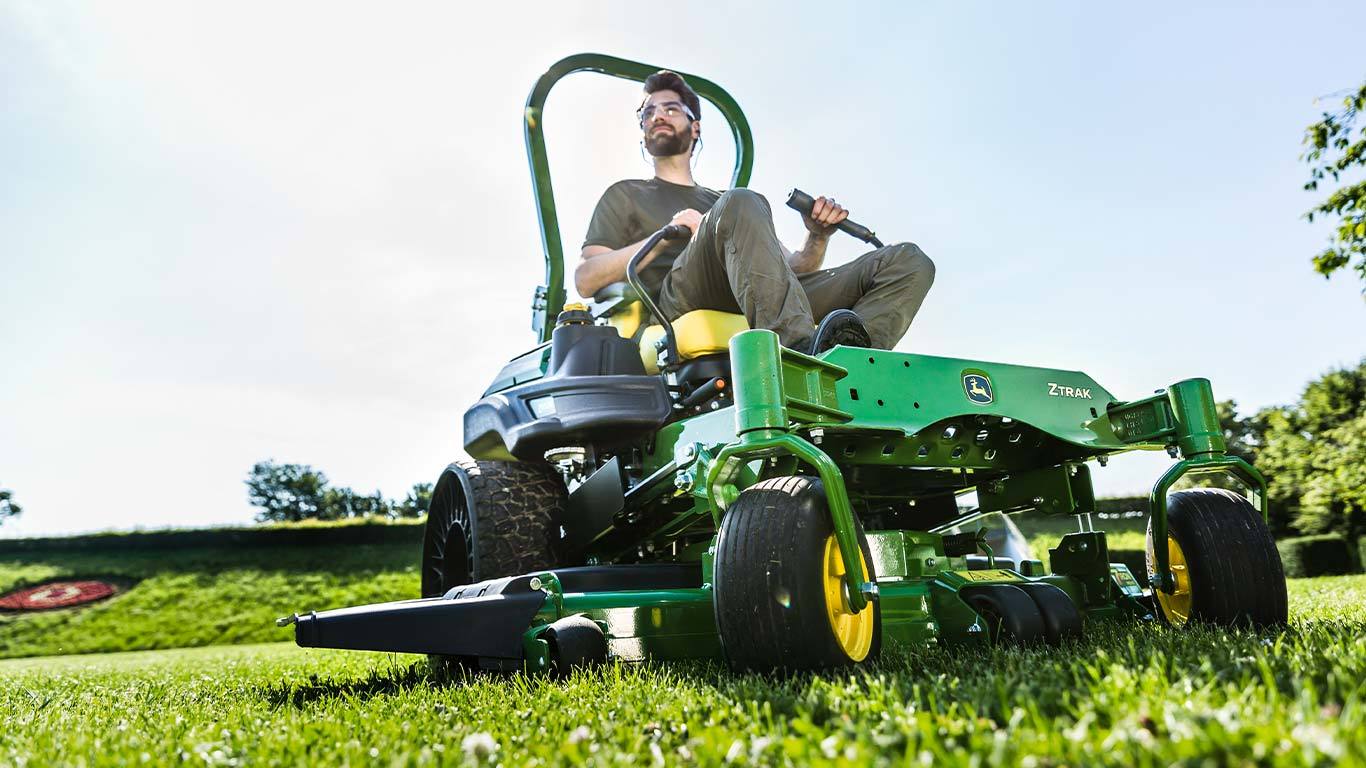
pixel 490 519
pixel 1233 574
pixel 770 583
pixel 1062 620
pixel 1010 614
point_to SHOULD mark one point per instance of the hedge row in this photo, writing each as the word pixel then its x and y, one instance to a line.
pixel 1121 504
pixel 264 536
pixel 1325 555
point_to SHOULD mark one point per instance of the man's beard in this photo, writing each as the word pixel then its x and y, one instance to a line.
pixel 667 143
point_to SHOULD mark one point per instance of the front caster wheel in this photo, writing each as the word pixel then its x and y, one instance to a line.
pixel 1223 560
pixel 780 596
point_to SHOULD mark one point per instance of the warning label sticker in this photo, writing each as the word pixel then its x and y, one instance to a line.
pixel 993 575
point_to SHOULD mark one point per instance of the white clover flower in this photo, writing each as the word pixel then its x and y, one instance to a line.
pixel 479 745
pixel 580 734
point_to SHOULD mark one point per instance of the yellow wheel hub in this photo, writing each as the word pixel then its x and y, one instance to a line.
pixel 1176 607
pixel 853 631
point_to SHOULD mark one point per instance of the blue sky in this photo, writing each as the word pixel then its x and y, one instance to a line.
pixel 306 233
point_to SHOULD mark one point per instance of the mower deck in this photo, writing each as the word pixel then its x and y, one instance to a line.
pixel 665 611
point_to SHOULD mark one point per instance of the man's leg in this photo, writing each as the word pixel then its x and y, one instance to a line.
pixel 885 287
pixel 735 264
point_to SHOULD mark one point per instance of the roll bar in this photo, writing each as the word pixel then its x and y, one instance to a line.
pixel 549 298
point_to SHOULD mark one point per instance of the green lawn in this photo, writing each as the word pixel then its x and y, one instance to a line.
pixel 1126 695
pixel 199 595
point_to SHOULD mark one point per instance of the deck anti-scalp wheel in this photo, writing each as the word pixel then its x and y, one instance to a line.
pixel 1009 614
pixel 1061 618
pixel 781 601
pixel 1223 559
pixel 490 519
pixel 575 642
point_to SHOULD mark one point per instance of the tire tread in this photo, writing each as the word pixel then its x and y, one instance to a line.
pixel 1235 568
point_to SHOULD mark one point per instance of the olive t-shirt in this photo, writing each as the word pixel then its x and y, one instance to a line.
pixel 634 209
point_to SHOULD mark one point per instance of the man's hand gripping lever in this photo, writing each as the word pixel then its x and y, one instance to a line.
pixel 668 232
pixel 803 203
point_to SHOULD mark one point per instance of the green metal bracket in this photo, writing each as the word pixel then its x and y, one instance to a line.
pixel 986 548
pixel 535 650
pixel 1198 436
pixel 549 583
pixel 762 413
pixel 1064 489
pixel 549 299
pixel 1086 558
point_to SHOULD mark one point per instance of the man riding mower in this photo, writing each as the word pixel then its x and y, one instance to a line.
pixel 734 262
pixel 681 479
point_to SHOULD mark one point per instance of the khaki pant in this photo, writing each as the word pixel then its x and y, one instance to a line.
pixel 735 264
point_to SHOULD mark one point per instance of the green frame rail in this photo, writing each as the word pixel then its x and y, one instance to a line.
pixel 549 298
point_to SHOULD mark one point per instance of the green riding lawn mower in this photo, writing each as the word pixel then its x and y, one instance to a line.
pixel 642 488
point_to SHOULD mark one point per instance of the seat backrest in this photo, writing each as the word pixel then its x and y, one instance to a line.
pixel 618 303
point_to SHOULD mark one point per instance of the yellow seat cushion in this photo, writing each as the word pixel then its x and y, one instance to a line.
pixel 627 319
pixel 700 332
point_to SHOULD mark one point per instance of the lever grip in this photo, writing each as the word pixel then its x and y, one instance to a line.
pixel 675 232
pixel 803 203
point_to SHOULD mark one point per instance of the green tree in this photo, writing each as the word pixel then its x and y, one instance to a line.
pixel 418 501
pixel 8 508
pixel 344 503
pixel 1333 151
pixel 1314 454
pixel 294 492
pixel 1244 436
pixel 286 492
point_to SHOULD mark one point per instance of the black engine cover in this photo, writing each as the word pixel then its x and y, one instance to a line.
pixel 595 392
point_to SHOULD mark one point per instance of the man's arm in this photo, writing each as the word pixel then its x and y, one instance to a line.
pixel 811 255
pixel 825 214
pixel 601 266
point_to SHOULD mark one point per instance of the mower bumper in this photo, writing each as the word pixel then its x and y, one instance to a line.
pixel 645 610
pixel 484 620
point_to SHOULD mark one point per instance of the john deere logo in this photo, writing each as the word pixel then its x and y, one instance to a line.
pixel 978 388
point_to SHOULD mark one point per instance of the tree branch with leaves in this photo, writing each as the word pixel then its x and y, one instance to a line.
pixel 1334 150
pixel 295 492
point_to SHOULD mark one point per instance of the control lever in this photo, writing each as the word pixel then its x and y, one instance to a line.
pixel 803 203
pixel 667 232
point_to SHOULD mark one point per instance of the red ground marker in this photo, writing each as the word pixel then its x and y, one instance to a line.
pixel 56 594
